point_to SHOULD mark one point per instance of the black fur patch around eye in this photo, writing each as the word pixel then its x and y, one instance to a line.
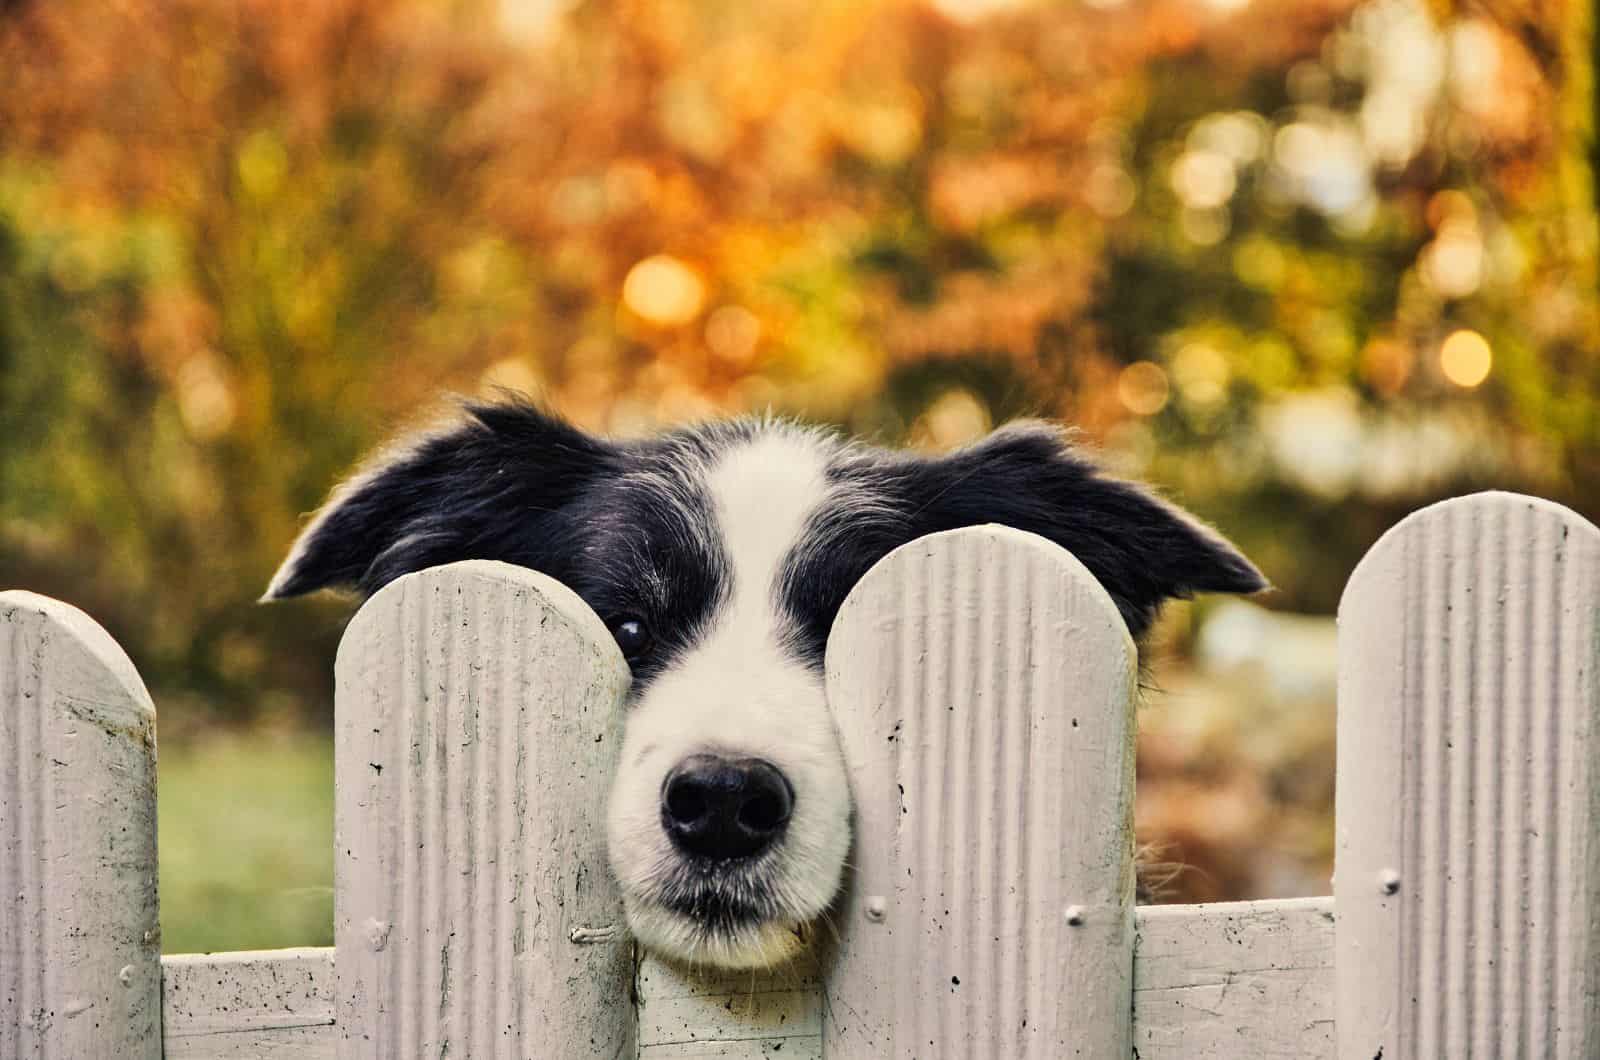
pixel 628 526
pixel 650 550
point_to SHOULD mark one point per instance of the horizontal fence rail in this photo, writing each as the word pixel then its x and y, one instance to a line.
pixel 1210 982
pixel 984 687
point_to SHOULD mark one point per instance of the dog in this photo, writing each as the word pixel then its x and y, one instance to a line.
pixel 718 556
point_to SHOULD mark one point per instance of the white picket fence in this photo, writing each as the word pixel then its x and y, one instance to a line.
pixel 984 688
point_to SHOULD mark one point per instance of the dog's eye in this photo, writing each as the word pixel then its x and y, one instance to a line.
pixel 632 636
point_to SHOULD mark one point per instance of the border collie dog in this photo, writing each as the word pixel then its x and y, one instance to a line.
pixel 718 556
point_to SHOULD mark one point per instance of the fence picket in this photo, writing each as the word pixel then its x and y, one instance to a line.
pixel 477 720
pixel 80 951
pixel 983 686
pixel 983 683
pixel 1468 872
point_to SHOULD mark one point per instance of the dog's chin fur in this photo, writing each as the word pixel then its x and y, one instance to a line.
pixel 686 940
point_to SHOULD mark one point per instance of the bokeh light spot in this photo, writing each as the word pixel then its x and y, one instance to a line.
pixel 205 402
pixel 1110 191
pixel 956 417
pixel 1204 179
pixel 1143 388
pixel 1465 358
pixel 1201 372
pixel 1239 136
pixel 664 290
pixel 1453 263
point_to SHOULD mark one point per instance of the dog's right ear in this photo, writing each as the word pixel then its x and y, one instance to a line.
pixel 490 487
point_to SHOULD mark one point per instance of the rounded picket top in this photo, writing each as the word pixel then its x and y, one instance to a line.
pixel 556 602
pixel 477 719
pixel 1468 789
pixel 82 971
pixel 983 683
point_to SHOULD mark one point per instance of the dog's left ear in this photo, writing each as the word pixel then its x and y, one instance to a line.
pixel 1141 548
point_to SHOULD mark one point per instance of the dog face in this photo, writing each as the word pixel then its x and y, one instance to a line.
pixel 718 556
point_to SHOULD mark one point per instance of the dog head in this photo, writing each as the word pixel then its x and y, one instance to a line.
pixel 718 556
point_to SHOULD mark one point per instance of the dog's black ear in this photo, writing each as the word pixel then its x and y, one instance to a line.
pixel 491 487
pixel 1141 548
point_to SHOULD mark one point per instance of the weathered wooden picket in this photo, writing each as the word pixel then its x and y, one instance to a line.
pixel 984 689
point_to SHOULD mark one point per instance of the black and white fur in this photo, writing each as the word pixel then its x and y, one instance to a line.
pixel 720 554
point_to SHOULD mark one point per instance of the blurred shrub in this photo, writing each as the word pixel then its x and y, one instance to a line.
pixel 1236 760
pixel 1308 263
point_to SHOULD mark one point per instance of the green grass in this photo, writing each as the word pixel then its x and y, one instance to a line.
pixel 246 830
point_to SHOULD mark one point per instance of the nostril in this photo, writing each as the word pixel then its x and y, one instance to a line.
pixel 686 800
pixel 768 799
pixel 764 812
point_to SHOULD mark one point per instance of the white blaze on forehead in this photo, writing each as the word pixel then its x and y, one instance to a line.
pixel 763 492
pixel 737 691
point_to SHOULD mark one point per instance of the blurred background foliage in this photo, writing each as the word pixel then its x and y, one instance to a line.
pixel 1306 264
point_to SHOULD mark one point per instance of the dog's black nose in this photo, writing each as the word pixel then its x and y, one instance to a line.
pixel 717 807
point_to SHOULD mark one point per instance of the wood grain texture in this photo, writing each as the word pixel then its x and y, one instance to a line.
pixel 728 1014
pixel 1235 979
pixel 1468 794
pixel 80 971
pixel 477 719
pixel 261 1005
pixel 983 684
